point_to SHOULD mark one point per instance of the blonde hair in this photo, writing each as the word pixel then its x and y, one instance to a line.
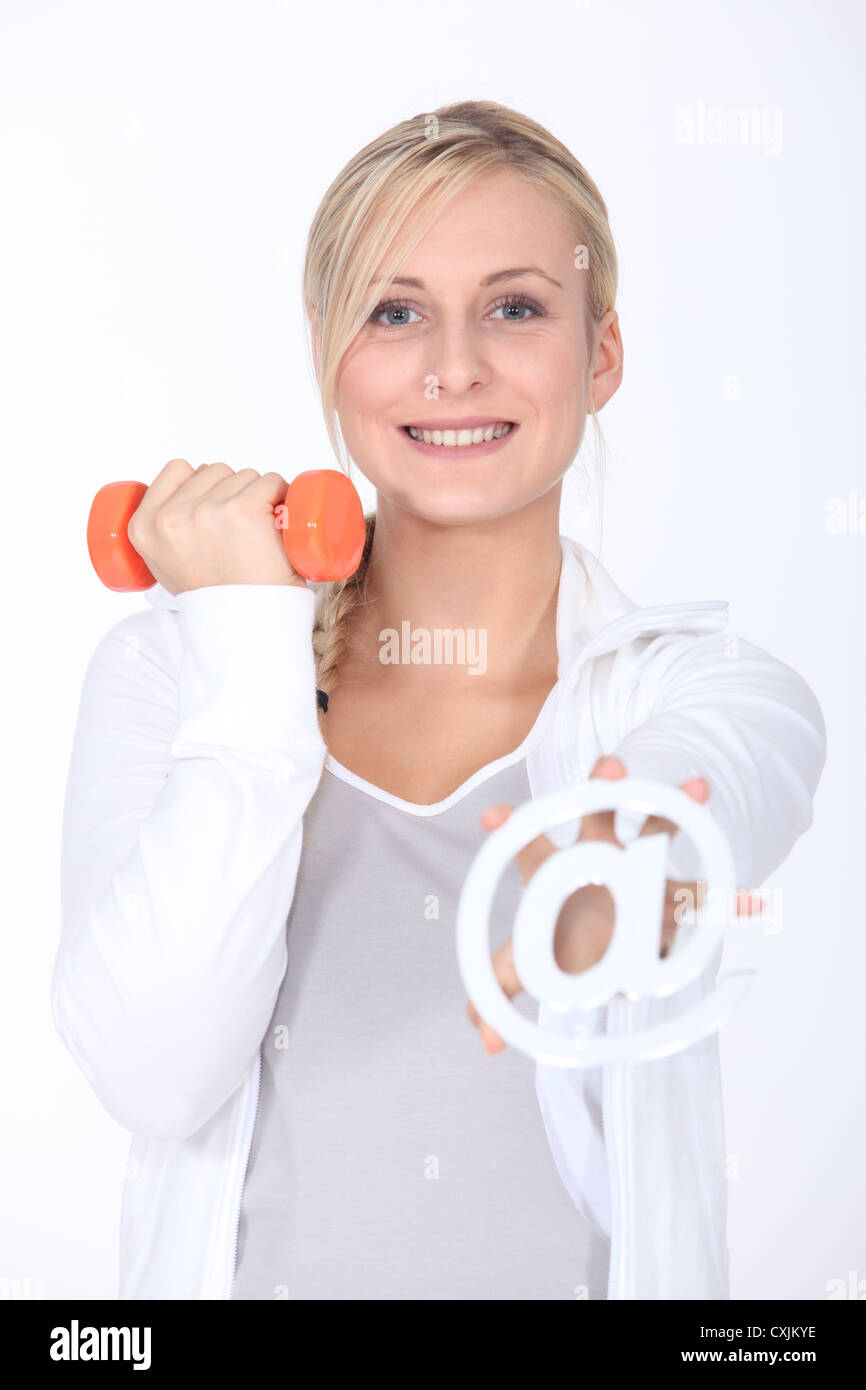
pixel 360 230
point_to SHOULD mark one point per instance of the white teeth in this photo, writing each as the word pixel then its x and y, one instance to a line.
pixel 455 438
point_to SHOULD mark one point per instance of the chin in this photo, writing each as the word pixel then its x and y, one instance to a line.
pixel 455 508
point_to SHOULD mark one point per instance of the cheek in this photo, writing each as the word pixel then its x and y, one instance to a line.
pixel 368 410
pixel 372 391
pixel 560 405
pixel 551 377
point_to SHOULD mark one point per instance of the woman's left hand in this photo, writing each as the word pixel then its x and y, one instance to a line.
pixel 585 924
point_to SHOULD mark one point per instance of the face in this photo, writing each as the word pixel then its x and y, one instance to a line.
pixel 464 346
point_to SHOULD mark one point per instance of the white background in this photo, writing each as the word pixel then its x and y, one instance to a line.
pixel 159 167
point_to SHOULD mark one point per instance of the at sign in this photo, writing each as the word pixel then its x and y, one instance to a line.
pixel 631 967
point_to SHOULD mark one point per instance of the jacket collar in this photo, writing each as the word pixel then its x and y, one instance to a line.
pixel 161 598
pixel 594 616
pixel 588 602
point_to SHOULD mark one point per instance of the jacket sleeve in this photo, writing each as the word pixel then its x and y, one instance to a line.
pixel 715 706
pixel 674 706
pixel 195 755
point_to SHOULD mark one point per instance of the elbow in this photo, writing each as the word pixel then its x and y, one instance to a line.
pixel 148 1107
pixel 127 1088
pixel 153 1115
pixel 814 735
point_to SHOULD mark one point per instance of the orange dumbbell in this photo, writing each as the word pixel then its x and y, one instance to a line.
pixel 322 523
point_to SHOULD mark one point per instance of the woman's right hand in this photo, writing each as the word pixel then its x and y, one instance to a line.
pixel 196 527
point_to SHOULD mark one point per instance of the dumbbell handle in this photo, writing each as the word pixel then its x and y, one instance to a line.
pixel 321 521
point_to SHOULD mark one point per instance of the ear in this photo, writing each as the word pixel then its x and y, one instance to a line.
pixel 607 365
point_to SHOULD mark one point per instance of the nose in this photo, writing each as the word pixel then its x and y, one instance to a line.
pixel 456 358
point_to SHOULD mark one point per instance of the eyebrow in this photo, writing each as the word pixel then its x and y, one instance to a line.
pixel 488 279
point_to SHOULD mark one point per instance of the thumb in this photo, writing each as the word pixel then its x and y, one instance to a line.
pixel 608 766
pixel 599 825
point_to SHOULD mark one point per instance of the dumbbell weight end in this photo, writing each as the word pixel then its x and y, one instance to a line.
pixel 323 527
pixel 112 554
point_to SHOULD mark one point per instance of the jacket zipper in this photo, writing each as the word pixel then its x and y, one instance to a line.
pixel 244 1165
pixel 616 1115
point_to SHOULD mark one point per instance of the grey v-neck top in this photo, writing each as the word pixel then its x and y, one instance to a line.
pixel 392 1157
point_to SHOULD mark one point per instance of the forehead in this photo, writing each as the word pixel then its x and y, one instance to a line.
pixel 501 220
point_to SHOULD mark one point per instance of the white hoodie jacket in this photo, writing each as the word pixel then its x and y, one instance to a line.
pixel 196 753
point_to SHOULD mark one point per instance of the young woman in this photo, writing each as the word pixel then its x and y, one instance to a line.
pixel 257 971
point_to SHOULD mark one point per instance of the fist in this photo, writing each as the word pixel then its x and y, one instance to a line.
pixel 197 527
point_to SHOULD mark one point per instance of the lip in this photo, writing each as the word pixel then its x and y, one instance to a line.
pixel 470 422
pixel 461 451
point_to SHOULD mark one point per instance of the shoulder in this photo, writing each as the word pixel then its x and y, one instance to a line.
pixel 144 646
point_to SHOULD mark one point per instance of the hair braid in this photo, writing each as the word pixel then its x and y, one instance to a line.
pixel 332 623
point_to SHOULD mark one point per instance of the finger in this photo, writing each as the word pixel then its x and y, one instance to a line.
pixel 204 479
pixel 505 970
pixel 489 1037
pixel 608 766
pixel 683 897
pixel 594 825
pixel 697 788
pixel 508 980
pixel 223 482
pixel 599 825
pixel 532 854
pixel 527 859
pixel 749 904
pixel 270 487
pixel 233 483
pixel 491 1040
pixel 167 481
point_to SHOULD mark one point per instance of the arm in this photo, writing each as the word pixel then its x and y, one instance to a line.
pixel 670 708
pixel 718 707
pixel 196 753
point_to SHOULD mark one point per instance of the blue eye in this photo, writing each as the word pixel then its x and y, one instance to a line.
pixel 401 306
pixel 519 301
pixel 391 306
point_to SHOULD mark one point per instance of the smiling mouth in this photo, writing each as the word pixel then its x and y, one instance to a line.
pixel 458 439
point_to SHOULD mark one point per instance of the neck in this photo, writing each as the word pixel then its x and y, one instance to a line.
pixel 495 581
